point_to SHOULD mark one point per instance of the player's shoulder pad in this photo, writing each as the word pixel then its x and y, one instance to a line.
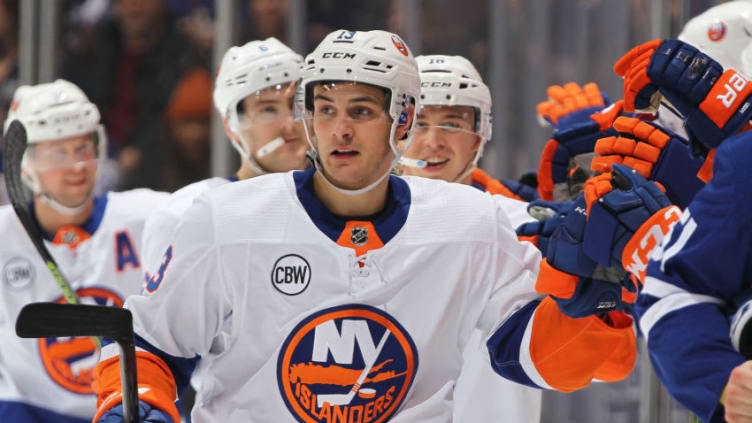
pixel 180 200
pixel 451 211
pixel 136 203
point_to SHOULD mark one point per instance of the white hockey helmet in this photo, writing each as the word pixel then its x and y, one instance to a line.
pixel 724 32
pixel 49 112
pixel 377 58
pixel 454 81
pixel 246 70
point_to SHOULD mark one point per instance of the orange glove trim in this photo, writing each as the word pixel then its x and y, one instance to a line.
pixel 155 381
pixel 636 252
pixel 596 187
pixel 706 171
pixel 725 97
pixel 554 282
pixel 545 178
pixel 607 116
pixel 625 124
pixel 603 163
pixel 642 167
pixel 533 239
pixel 568 353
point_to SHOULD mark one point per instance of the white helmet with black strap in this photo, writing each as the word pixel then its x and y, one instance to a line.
pixel 246 70
pixel 454 81
pixel 50 112
pixel 376 58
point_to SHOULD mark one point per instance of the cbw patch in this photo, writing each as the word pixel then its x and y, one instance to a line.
pixel 70 361
pixel 350 363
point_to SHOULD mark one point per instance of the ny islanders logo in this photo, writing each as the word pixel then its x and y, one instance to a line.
pixel 348 364
pixel 717 31
pixel 70 361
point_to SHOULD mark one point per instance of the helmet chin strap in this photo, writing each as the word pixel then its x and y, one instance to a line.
pixel 64 209
pixel 468 170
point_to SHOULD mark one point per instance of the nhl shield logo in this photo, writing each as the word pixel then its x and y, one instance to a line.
pixel 350 363
pixel 359 235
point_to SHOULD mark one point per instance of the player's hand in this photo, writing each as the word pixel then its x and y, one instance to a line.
pixel 570 104
pixel 569 152
pixel 737 396
pixel 525 192
pixel 715 104
pixel 627 216
pixel 577 283
pixel 655 153
pixel 147 414
pixel 548 215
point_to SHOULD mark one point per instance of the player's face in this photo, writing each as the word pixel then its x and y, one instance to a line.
pixel 351 130
pixel 443 138
pixel 266 116
pixel 66 168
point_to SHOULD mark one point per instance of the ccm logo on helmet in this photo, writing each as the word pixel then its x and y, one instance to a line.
pixel 338 55
pixel 435 84
pixel 291 274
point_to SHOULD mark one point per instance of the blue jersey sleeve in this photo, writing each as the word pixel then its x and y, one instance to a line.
pixel 693 281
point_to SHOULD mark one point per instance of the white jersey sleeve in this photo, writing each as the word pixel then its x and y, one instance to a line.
pixel 159 230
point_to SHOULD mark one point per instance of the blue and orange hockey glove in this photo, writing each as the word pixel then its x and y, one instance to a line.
pixel 548 215
pixel 570 104
pixel 568 153
pixel 575 281
pixel 714 103
pixel 627 217
pixel 147 414
pixel 655 153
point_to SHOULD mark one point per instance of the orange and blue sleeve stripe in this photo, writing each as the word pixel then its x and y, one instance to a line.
pixel 539 346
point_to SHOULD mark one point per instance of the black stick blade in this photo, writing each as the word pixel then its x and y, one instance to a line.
pixel 50 320
pixel 15 142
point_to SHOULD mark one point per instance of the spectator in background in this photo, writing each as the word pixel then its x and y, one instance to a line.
pixel 268 18
pixel 129 65
pixel 8 53
pixel 188 118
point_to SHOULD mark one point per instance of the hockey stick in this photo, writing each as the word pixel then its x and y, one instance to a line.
pixel 51 320
pixel 15 146
pixel 344 399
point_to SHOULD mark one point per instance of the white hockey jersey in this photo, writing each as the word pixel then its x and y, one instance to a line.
pixel 48 380
pixel 332 320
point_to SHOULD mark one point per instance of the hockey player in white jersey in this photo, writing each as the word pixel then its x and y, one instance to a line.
pixel 348 294
pixel 452 127
pixel 93 239
pixel 254 93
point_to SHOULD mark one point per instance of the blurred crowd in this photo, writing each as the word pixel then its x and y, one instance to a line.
pixel 147 65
